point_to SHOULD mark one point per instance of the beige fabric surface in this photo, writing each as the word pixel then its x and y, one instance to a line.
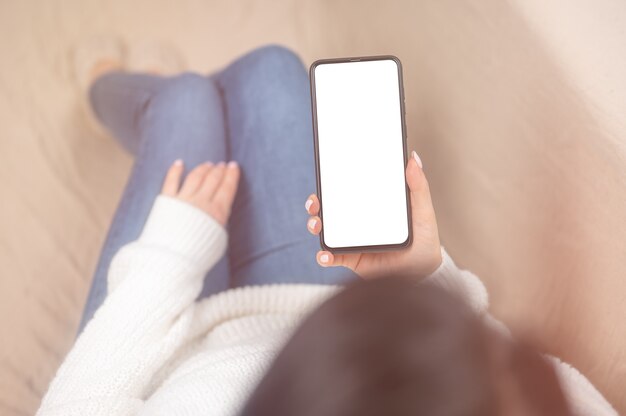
pixel 517 109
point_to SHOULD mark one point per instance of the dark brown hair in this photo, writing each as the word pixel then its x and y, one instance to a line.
pixel 393 347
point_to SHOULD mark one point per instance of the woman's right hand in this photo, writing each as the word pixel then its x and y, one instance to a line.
pixel 209 187
pixel 420 259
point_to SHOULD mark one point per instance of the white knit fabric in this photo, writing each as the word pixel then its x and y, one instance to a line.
pixel 152 349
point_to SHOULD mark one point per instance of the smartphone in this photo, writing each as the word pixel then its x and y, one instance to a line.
pixel 359 135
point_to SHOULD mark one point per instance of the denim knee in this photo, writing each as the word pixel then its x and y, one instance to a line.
pixel 274 59
pixel 184 95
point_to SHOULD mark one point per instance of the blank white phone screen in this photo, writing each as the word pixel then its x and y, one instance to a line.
pixel 360 150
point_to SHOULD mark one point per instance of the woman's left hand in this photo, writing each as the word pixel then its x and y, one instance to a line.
pixel 210 187
pixel 420 259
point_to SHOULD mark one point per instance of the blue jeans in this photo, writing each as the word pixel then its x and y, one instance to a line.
pixel 255 111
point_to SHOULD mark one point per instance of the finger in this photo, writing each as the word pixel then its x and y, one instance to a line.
pixel 225 194
pixel 421 203
pixel 194 180
pixel 314 225
pixel 171 183
pixel 312 205
pixel 212 181
pixel 325 258
pixel 328 259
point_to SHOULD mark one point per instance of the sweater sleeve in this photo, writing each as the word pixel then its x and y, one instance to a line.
pixel 584 399
pixel 460 282
pixel 152 283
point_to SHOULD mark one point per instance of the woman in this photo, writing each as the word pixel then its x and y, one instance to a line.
pixel 391 347
pixel 230 234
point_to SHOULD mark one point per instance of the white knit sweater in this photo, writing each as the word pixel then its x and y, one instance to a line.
pixel 152 349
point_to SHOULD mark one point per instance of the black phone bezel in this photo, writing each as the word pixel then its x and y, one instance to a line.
pixel 368 248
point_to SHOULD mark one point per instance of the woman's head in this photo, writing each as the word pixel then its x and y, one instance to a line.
pixel 391 347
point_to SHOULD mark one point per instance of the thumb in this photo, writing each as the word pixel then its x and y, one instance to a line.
pixel 421 203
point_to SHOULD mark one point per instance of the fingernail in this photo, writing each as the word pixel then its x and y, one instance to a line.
pixel 312 223
pixel 221 164
pixel 232 164
pixel 324 258
pixel 308 204
pixel 417 158
pixel 178 162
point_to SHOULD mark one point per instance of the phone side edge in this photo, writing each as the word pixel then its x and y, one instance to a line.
pixel 409 240
pixel 318 184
